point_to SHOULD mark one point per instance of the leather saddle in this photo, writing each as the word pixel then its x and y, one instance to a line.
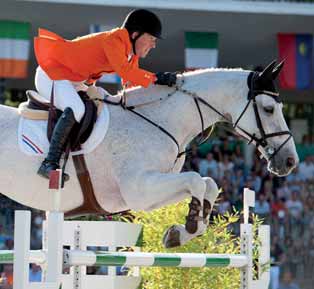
pixel 38 108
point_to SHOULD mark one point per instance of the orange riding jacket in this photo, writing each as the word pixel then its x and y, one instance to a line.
pixel 90 56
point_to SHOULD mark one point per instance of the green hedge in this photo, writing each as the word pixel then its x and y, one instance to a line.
pixel 218 239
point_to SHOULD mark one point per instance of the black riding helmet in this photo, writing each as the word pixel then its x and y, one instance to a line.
pixel 142 21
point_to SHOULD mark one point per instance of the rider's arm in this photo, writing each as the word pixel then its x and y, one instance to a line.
pixel 115 50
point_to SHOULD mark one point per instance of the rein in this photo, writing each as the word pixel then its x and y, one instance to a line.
pixel 204 136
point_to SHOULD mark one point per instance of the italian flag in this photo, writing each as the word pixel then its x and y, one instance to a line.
pixel 14 49
pixel 201 50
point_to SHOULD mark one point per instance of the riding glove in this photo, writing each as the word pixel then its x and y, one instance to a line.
pixel 166 78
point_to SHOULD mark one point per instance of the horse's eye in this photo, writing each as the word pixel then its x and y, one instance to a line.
pixel 269 109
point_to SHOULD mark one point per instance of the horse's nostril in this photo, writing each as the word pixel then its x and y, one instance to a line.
pixel 290 162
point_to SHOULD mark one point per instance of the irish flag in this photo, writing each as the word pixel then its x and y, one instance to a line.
pixel 201 49
pixel 14 49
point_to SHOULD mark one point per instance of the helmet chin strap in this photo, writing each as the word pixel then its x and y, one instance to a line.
pixel 133 40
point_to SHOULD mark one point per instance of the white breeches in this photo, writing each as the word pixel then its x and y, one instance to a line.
pixel 65 93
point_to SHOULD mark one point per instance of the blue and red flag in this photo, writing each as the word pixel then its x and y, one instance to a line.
pixel 297 51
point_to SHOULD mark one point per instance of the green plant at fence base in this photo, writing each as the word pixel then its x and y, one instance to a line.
pixel 217 239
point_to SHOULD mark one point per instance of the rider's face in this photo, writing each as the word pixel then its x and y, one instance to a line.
pixel 144 44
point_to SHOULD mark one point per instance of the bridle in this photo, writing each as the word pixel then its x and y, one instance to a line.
pixel 262 140
pixel 252 138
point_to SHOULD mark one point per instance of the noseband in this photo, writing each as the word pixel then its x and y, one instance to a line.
pixel 252 138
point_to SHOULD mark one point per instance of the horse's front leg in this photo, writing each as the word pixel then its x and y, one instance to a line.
pixel 211 195
pixel 197 219
pixel 157 188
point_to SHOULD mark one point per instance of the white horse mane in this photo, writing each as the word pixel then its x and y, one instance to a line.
pixel 212 69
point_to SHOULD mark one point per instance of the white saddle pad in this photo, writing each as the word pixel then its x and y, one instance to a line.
pixel 32 135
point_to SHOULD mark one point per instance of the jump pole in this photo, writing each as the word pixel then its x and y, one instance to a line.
pixel 51 258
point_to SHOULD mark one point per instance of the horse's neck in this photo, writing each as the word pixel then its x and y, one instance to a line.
pixel 225 90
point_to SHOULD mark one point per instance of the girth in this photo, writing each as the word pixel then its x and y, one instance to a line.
pixel 90 204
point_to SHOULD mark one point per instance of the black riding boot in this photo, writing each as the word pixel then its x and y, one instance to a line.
pixel 58 141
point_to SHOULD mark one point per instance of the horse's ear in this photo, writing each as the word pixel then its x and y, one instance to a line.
pixel 277 69
pixel 268 71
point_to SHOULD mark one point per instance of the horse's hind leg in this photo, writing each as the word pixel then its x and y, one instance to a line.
pixel 158 188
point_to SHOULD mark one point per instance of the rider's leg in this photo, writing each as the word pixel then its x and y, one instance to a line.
pixel 65 93
pixel 58 141
pixel 66 99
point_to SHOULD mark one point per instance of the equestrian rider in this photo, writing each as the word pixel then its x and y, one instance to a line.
pixel 66 66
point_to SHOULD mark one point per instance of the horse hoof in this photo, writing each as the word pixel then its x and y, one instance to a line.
pixel 171 237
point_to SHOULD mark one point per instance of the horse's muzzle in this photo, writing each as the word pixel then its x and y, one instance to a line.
pixel 282 165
